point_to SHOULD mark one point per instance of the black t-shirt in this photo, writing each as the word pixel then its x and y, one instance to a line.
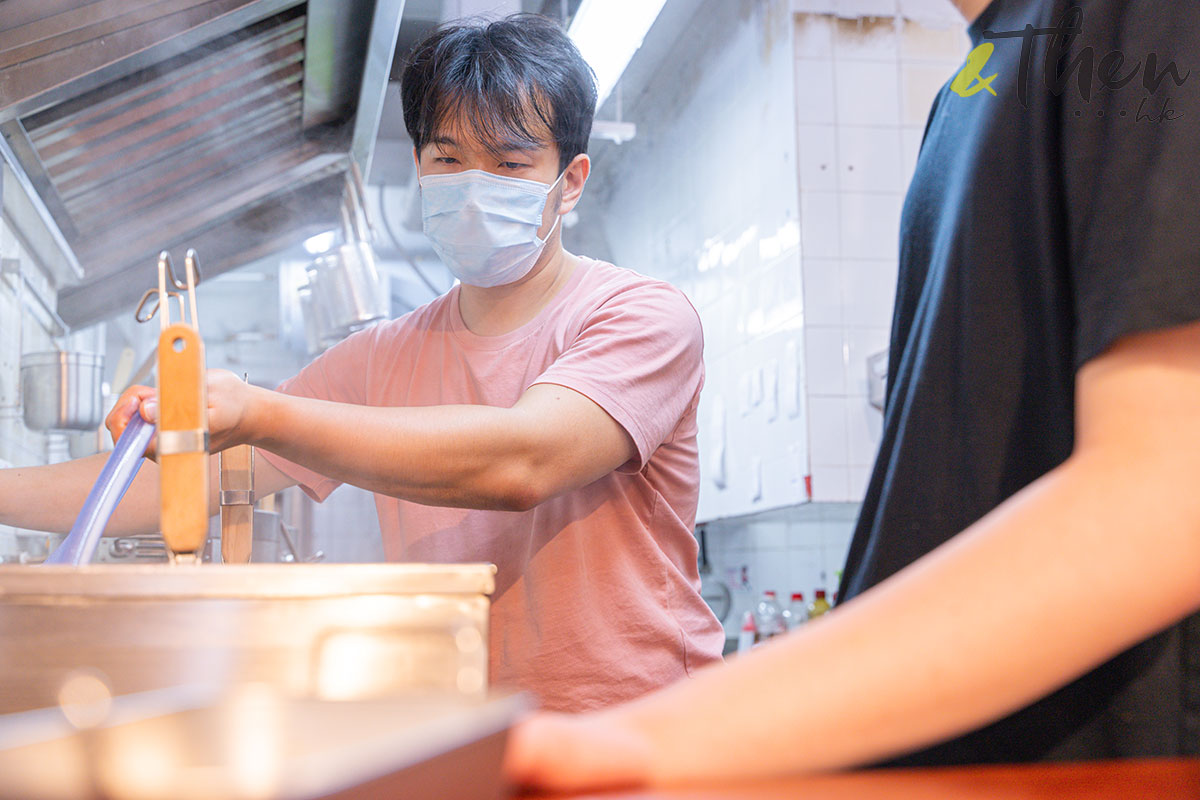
pixel 1040 228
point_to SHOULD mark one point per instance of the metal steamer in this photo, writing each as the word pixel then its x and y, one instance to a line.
pixel 309 633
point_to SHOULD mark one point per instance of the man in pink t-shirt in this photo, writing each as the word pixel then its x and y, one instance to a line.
pixel 596 594
pixel 540 416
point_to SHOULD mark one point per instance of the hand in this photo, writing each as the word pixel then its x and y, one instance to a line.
pixel 564 753
pixel 229 400
pixel 229 404
pixel 134 400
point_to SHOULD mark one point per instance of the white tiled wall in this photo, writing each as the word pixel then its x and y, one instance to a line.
pixel 863 90
pixel 769 187
pixel 20 331
pixel 706 197
pixel 796 549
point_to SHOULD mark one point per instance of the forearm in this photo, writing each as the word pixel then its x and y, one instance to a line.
pixel 1008 611
pixel 465 456
pixel 49 498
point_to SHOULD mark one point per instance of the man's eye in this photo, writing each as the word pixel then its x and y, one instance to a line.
pixel 446 160
pixel 512 165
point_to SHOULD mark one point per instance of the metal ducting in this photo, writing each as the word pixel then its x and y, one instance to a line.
pixel 224 125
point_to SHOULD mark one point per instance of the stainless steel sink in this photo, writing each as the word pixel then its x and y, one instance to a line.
pixel 326 631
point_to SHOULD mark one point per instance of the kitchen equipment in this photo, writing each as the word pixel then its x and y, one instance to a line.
pixel 275 540
pixel 877 379
pixel 119 471
pixel 344 292
pixel 182 412
pixel 713 590
pixel 142 548
pixel 236 472
pixel 60 391
pixel 254 743
pixel 330 631
pixel 97 440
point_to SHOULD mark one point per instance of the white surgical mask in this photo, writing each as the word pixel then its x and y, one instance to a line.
pixel 485 226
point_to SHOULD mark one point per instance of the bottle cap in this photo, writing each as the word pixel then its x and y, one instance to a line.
pixel 797 596
pixel 768 593
pixel 748 623
pixel 820 594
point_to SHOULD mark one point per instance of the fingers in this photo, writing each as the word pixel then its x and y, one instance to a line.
pixel 563 753
pixel 134 400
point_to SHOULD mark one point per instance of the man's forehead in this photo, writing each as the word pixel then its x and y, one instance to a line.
pixel 465 141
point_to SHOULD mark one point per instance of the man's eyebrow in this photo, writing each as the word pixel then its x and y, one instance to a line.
pixel 515 146
pixel 502 146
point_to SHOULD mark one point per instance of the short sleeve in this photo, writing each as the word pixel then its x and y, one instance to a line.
pixel 1131 175
pixel 639 356
pixel 339 375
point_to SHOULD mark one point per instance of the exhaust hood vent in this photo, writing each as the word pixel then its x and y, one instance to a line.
pixel 225 125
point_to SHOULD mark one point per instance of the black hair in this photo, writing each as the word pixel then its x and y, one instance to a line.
pixel 513 80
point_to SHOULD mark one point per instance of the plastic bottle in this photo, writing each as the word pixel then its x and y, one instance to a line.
pixel 796 614
pixel 747 635
pixel 818 606
pixel 768 617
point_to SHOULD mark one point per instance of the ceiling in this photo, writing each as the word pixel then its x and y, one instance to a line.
pixel 225 125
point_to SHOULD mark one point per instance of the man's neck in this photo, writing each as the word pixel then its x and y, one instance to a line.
pixel 497 310
pixel 971 9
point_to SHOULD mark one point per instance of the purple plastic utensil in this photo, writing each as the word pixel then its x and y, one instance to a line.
pixel 119 471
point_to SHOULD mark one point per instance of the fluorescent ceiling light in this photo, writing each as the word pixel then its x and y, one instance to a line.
pixel 321 243
pixel 608 33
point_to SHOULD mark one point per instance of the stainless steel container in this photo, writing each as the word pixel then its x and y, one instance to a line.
pixel 253 744
pixel 329 631
pixel 346 285
pixel 61 391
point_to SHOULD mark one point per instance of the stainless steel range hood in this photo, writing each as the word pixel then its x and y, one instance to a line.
pixel 225 125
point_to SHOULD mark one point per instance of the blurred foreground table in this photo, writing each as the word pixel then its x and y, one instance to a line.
pixel 1174 779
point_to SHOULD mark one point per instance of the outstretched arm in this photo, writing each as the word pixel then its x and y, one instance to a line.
pixel 946 645
pixel 49 498
pixel 552 440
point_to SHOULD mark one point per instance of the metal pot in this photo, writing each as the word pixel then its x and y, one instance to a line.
pixel 61 391
pixel 344 631
pixel 346 284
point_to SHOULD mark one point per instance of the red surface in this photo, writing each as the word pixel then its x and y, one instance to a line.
pixel 1126 780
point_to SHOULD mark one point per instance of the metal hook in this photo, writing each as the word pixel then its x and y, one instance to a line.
pixel 191 264
pixel 162 294
pixel 191 270
pixel 141 315
pixel 146 311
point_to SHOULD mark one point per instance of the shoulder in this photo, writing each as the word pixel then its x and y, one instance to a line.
pixel 612 289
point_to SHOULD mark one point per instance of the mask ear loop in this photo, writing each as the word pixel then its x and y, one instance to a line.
pixel 557 217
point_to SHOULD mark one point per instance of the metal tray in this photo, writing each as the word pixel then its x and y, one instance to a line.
pixel 330 631
pixel 256 743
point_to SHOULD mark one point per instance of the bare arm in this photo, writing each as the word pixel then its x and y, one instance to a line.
pixel 553 440
pixel 49 498
pixel 948 644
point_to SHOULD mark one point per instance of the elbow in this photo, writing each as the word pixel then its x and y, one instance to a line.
pixel 522 488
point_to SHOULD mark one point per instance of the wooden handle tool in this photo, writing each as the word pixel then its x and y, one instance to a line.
pixel 183 441
pixel 237 503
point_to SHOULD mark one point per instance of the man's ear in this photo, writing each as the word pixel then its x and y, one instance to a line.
pixel 574 178
pixel 416 159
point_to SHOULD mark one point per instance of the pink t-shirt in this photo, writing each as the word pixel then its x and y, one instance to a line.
pixel 597 594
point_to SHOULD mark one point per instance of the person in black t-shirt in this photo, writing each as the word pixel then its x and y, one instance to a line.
pixel 1033 513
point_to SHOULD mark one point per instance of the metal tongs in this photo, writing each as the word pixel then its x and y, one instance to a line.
pixel 145 311
pixel 182 411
